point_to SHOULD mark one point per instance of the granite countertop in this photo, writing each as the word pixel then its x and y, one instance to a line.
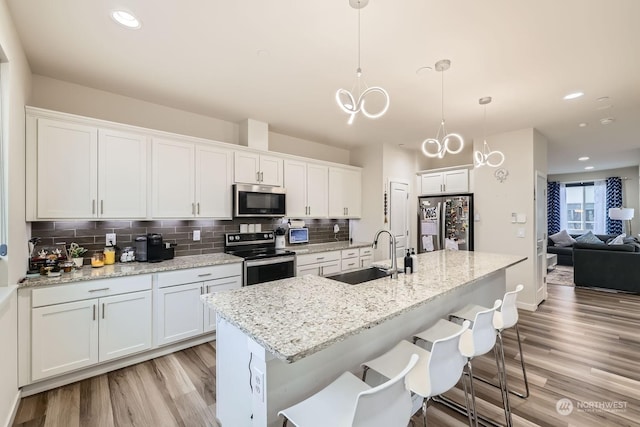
pixel 325 247
pixel 294 318
pixel 132 268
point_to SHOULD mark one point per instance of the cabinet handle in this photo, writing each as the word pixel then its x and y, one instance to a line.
pixel 257 176
pixel 93 206
pixel 319 258
pixel 204 274
pixel 198 208
pixel 94 312
pixel 103 310
pixel 101 207
pixel 261 176
pixel 322 271
pixel 309 210
pixel 97 290
pixel 351 263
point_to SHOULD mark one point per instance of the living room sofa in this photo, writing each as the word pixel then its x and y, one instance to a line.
pixel 614 267
pixel 565 253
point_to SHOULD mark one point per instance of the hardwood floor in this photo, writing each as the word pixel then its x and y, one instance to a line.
pixel 581 345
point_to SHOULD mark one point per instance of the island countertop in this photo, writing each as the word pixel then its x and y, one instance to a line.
pixel 294 318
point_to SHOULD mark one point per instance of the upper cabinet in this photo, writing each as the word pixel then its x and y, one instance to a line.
pixel 307 189
pixel 253 168
pixel 83 172
pixel 446 182
pixel 190 180
pixel 345 193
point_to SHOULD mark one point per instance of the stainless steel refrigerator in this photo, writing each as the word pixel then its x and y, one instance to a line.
pixel 445 222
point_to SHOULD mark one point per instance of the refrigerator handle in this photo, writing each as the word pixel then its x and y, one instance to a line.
pixel 441 211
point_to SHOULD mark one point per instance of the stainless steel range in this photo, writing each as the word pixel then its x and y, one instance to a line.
pixel 262 261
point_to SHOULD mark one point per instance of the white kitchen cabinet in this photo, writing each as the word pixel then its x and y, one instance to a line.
pixel 180 312
pixel 80 172
pixel 190 180
pixel 253 168
pixel 307 189
pixel 215 286
pixel 366 257
pixel 345 193
pixel 66 336
pixel 319 264
pixel 447 182
pixel 350 259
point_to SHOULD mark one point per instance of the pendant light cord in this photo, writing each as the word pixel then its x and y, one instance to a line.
pixel 359 69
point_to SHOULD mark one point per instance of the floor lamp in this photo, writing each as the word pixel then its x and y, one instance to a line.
pixel 622 214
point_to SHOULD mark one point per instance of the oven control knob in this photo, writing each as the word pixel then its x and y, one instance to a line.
pixel 271 235
pixel 230 238
pixel 266 236
pixel 237 237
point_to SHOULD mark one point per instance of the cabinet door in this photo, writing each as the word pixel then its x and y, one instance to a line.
pixel 67 182
pixel 179 313
pixel 295 182
pixel 173 179
pixel 125 324
pixel 350 264
pixel 122 175
pixel 214 178
pixel 353 194
pixel 312 269
pixel 337 207
pixel 64 337
pixel 246 167
pixel 431 183
pixel 456 181
pixel 331 267
pixel 212 287
pixel 366 261
pixel 271 170
pixel 317 191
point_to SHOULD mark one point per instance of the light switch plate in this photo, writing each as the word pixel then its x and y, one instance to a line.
pixel 520 233
pixel 196 235
pixel 521 218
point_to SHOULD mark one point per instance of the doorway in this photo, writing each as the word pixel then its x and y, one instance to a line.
pixel 541 237
pixel 399 215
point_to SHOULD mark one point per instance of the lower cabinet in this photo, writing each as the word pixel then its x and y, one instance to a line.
pixel 74 335
pixel 366 257
pixel 319 264
pixel 180 313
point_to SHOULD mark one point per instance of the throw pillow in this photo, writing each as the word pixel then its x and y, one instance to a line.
pixel 589 237
pixel 618 240
pixel 562 239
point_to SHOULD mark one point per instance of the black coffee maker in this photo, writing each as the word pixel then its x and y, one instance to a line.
pixel 155 247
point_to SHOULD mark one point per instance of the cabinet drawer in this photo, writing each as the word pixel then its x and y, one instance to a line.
pixel 350 253
pixel 368 251
pixel 350 264
pixel 317 257
pixel 200 274
pixel 89 289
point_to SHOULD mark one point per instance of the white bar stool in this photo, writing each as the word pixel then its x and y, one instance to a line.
pixel 437 371
pixel 479 339
pixel 350 402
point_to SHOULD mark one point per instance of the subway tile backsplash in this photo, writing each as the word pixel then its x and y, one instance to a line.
pixel 91 234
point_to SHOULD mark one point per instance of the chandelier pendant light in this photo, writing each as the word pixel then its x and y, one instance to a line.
pixel 451 143
pixel 487 157
pixel 346 100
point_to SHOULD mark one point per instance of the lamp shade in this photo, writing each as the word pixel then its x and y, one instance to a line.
pixel 623 214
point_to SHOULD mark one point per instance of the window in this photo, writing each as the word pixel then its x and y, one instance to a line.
pixel 583 207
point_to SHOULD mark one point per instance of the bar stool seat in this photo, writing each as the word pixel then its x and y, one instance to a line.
pixel 350 402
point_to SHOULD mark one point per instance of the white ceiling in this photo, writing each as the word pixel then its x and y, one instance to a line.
pixel 203 57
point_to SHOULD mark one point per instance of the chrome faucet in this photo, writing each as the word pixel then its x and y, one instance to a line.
pixel 394 256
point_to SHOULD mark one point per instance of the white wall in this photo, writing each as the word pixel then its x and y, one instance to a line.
pixel 630 187
pixel 72 98
pixel 495 201
pixel 16 83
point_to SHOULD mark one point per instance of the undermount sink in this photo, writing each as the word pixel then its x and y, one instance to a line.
pixel 360 276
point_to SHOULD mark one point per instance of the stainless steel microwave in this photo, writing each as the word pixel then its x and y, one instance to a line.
pixel 258 201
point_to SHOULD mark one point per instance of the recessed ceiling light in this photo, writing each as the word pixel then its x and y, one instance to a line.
pixel 583 159
pixel 263 53
pixel 588 168
pixel 423 70
pixel 583 124
pixel 573 95
pixel 607 120
pixel 126 19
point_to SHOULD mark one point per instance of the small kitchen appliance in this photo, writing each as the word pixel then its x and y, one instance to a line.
pixel 155 248
pixel 280 238
pixel 141 249
pixel 262 261
pixel 298 235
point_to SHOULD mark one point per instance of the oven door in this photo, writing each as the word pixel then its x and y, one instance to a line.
pixel 266 270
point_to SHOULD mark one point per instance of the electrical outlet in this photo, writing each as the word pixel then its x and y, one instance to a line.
pixel 258 383
pixel 196 235
pixel 110 239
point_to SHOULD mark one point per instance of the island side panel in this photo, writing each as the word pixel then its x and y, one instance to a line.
pixel 288 383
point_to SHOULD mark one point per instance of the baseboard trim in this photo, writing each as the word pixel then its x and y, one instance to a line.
pixel 103 368
pixel 528 307
pixel 11 416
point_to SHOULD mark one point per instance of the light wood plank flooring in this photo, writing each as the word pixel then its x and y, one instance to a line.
pixel 581 344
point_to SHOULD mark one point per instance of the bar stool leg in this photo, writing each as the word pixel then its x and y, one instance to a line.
pixel 472 408
pixel 524 371
pixel 502 377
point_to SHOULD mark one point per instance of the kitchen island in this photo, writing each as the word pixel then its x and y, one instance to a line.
pixel 281 341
